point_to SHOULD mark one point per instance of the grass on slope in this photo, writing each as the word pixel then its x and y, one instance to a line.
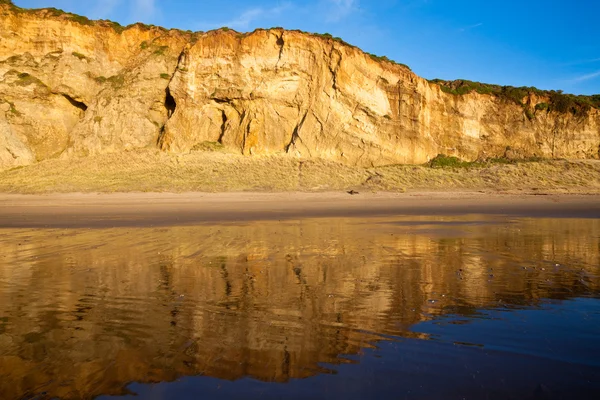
pixel 154 171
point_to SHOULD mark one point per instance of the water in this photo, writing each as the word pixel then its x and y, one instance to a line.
pixel 474 307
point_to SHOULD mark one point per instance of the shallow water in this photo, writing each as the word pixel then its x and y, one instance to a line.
pixel 454 307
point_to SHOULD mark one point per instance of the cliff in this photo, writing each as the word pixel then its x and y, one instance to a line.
pixel 71 87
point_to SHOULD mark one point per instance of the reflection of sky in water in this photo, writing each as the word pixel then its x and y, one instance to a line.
pixel 567 331
pixel 441 368
pixel 84 312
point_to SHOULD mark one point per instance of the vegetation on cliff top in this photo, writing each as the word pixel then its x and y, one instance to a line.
pixel 325 36
pixel 80 19
pixel 328 36
pixel 557 100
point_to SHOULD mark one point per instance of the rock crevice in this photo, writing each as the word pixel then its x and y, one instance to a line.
pixel 77 104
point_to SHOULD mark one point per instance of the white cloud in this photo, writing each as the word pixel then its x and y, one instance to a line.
pixel 344 3
pixel 593 60
pixel 245 20
pixel 103 9
pixel 586 77
pixel 143 10
pixel 580 62
pixel 466 28
pixel 340 9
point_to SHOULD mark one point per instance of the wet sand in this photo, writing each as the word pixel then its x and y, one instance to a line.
pixel 168 209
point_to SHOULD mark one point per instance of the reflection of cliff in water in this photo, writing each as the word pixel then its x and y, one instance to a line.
pixel 84 312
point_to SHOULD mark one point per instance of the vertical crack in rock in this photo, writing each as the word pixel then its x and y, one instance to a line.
pixel 280 43
pixel 223 126
pixel 334 78
pixel 170 103
pixel 553 140
pixel 240 137
pixel 246 133
pixel 180 59
pixel 295 133
pixel 14 156
pixel 321 127
pixel 334 69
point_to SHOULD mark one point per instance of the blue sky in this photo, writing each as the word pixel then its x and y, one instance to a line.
pixel 550 44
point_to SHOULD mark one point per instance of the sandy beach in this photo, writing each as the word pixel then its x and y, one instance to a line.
pixel 165 209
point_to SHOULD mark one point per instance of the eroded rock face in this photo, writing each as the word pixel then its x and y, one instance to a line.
pixel 71 88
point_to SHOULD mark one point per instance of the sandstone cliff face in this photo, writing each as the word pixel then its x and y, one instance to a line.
pixel 70 87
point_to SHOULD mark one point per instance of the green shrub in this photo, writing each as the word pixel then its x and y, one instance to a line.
pixel 448 89
pixel 208 146
pixel 25 80
pixel 80 19
pixel 116 80
pixel 384 58
pixel 326 36
pixel 558 101
pixel 144 45
pixel 55 12
pixel 13 109
pixel 561 102
pixel 515 95
pixel 160 50
pixel 79 55
pixel 13 59
pixel 529 114
pixel 444 161
pixel 116 26
pixel 165 76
